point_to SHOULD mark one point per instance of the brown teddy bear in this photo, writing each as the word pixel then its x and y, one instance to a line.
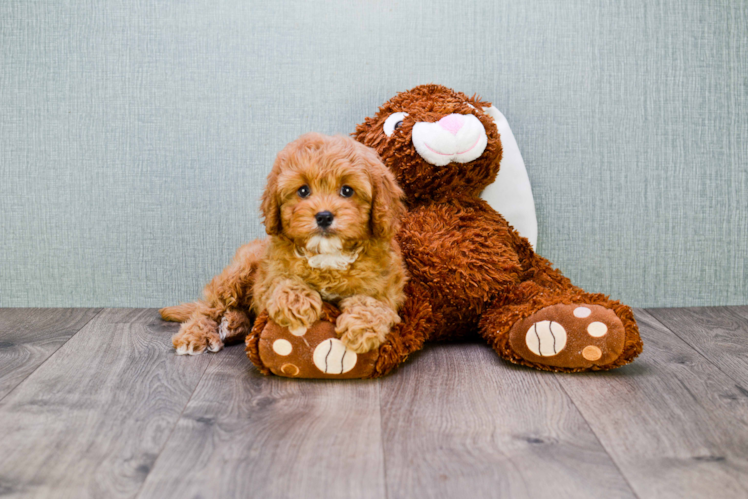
pixel 470 271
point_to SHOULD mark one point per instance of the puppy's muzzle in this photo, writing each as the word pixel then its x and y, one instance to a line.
pixel 324 219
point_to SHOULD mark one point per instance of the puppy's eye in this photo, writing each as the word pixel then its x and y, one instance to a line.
pixel 393 122
pixel 346 191
pixel 303 191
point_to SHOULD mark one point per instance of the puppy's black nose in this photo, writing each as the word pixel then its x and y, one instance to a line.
pixel 324 219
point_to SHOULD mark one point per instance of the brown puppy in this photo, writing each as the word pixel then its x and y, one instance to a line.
pixel 331 209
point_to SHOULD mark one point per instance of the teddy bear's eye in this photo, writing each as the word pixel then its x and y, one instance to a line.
pixel 393 122
pixel 346 191
pixel 303 191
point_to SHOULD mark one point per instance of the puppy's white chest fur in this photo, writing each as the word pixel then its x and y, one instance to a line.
pixel 327 253
pixel 331 261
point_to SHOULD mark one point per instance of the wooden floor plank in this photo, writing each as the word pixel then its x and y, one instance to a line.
pixel 89 414
pixel 91 420
pixel 719 333
pixel 673 422
pixel 29 336
pixel 460 422
pixel 247 435
pixel 740 310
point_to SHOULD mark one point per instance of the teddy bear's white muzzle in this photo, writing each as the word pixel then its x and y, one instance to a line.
pixel 455 138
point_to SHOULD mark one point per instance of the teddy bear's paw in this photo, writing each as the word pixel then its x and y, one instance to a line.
pixel 318 353
pixel 569 336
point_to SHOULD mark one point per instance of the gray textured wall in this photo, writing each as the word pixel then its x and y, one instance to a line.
pixel 135 136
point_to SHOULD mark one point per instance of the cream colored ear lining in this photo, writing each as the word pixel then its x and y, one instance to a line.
pixel 511 193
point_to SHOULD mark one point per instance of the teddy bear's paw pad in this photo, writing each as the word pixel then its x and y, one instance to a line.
pixel 317 353
pixel 569 336
pixel 331 356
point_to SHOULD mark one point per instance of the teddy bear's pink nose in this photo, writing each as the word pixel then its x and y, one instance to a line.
pixel 452 123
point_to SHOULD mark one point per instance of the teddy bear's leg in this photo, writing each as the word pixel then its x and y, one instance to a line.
pixel 561 330
pixel 318 353
pixel 418 322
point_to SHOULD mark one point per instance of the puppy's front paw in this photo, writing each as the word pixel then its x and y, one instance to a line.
pixel 194 337
pixel 295 306
pixel 364 323
pixel 359 338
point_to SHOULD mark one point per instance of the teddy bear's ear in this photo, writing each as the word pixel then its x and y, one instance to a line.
pixel 511 193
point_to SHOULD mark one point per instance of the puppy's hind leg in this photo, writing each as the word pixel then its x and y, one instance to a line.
pixel 199 332
pixel 211 328
pixel 222 316
pixel 235 326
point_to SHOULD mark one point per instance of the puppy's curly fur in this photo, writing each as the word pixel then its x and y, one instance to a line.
pixel 354 263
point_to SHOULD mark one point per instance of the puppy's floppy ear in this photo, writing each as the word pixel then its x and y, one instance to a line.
pixel 270 206
pixel 386 198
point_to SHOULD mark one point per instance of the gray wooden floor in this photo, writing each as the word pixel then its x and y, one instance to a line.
pixel 94 403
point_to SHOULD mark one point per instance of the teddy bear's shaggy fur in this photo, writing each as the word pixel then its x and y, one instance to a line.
pixel 470 270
